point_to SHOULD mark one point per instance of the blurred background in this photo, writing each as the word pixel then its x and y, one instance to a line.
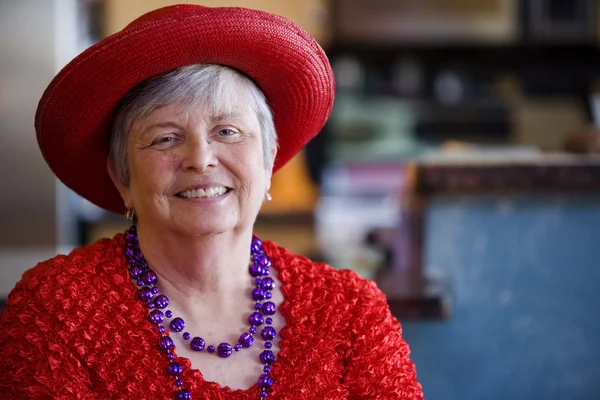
pixel 459 170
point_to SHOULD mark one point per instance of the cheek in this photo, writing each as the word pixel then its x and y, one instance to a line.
pixel 154 172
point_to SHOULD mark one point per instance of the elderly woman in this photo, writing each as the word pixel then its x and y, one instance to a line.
pixel 179 120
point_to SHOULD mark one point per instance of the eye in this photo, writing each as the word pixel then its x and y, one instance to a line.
pixel 164 139
pixel 227 132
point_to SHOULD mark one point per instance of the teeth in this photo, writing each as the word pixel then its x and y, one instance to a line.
pixel 208 192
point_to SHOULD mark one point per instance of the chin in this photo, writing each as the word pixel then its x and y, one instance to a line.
pixel 203 225
pixel 202 228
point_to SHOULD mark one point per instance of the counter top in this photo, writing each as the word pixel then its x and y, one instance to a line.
pixel 543 173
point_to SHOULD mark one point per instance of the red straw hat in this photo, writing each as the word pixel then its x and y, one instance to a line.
pixel 74 116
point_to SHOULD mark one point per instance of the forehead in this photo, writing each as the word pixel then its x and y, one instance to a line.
pixel 207 112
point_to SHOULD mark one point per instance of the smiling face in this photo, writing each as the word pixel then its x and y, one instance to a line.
pixel 196 170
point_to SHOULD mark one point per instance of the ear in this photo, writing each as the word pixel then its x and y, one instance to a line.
pixel 123 190
pixel 270 170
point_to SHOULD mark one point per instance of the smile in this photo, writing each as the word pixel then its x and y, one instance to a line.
pixel 203 193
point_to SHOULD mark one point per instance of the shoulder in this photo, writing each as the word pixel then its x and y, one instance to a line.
pixel 305 275
pixel 65 278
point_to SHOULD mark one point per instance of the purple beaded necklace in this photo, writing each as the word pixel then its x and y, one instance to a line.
pixel 146 279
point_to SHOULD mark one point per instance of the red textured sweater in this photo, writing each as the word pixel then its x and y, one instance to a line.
pixel 73 328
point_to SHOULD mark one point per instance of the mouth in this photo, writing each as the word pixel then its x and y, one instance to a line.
pixel 205 193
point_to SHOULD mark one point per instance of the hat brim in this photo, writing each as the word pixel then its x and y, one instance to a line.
pixel 75 113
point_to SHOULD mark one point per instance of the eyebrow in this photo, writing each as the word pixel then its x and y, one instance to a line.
pixel 227 116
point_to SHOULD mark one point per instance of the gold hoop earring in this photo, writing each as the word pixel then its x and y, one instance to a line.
pixel 130 214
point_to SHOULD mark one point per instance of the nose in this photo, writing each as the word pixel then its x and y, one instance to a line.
pixel 199 155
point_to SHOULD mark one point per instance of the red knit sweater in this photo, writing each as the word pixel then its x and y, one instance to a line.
pixel 73 328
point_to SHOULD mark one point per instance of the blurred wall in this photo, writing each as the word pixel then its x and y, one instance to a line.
pixel 309 14
pixel 27 58
pixel 36 38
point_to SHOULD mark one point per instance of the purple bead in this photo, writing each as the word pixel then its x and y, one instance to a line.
pixel 149 277
pixel 154 290
pixel 263 394
pixel 268 333
pixel 140 283
pixel 257 306
pixel 135 271
pixel 267 357
pixel 267 369
pixel 256 244
pixel 183 394
pixel 177 324
pixel 269 308
pixel 256 270
pixel 269 321
pixel 268 295
pixel 174 368
pixel 263 261
pixel 252 330
pixel 258 282
pixel 237 347
pixel 186 336
pixel 197 344
pixel 210 349
pixel 246 340
pixel 265 381
pixel 156 316
pixel 255 254
pixel 171 356
pixel 268 283
pixel 161 329
pixel 224 350
pixel 151 305
pixel 145 293
pixel 258 294
pixel 255 319
pixel 161 301
pixel 165 343
pixel 178 382
pixel 268 345
pixel 169 314
pixel 267 272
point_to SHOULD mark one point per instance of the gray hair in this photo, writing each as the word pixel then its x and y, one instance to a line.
pixel 190 86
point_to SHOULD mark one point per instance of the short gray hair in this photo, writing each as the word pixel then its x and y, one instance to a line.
pixel 190 86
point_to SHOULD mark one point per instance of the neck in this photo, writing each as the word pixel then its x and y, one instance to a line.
pixel 192 269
